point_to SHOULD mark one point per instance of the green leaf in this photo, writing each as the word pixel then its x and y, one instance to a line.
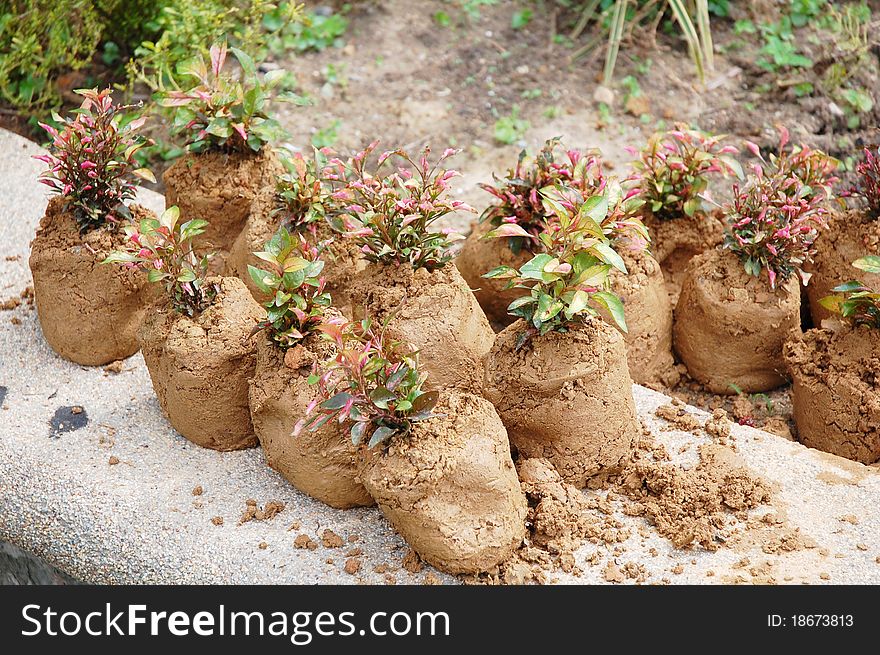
pixel 500 271
pixel 614 306
pixel 169 217
pixel 155 276
pixel 425 401
pixel 357 432
pixel 534 268
pixel 247 63
pixel 869 263
pixel 119 257
pixel 259 277
pixel 608 255
pixel 578 303
pixel 336 402
pixel 380 397
pixel 186 275
pixel 380 434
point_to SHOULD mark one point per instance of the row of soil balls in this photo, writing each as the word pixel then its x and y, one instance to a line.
pixel 313 306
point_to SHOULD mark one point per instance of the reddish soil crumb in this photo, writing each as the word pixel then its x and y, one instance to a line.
pixel 678 569
pixel 612 573
pixel 635 571
pixel 353 552
pixel 710 573
pixel 295 525
pixel 862 546
pixel 115 367
pixel 76 410
pixel 198 491
pixel 431 579
pixel 114 460
pixel 412 562
pixel 849 518
pixel 390 579
pixel 330 560
pixel 217 520
pixel 692 506
pixel 263 545
pixel 9 304
pixel 253 512
pixel 352 565
pixel 330 539
pixel 13 258
pixel 353 538
pixel 380 568
pixel 305 541
pixel 15 320
pixel 824 576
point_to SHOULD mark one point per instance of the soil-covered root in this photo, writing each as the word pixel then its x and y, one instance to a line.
pixel 566 397
pixel 648 315
pixel 676 241
pixel 434 312
pixel 479 256
pixel 200 367
pixel 450 488
pixel 850 236
pixel 836 390
pixel 321 464
pixel 220 188
pixel 89 312
pixel 729 327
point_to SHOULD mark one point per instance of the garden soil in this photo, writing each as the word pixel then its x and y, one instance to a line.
pixel 200 367
pixel 434 312
pixel 836 390
pixel 89 312
pixel 648 319
pixel 321 464
pixel 565 397
pixel 479 256
pixel 450 487
pixel 675 241
pixel 729 327
pixel 220 188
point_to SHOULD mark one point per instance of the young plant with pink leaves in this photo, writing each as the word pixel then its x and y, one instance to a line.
pixel 519 213
pixel 223 113
pixel 92 160
pixel 674 169
pixel 163 249
pixel 869 179
pixel 569 280
pixel 391 215
pixel 812 168
pixel 773 222
pixel 373 383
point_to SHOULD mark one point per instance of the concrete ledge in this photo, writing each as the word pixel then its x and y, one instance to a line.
pixel 105 495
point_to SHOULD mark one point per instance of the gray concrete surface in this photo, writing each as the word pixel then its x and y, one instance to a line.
pixel 137 521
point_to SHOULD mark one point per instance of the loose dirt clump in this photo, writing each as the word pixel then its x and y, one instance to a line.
pixel 676 414
pixel 253 512
pixel 304 541
pixel 412 562
pixel 9 304
pixel 330 539
pixel 693 506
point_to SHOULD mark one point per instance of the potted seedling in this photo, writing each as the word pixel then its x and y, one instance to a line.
pixel 303 204
pixel 835 389
pixel 195 341
pixel 851 233
pixel 227 131
pixel 320 463
pixel 739 301
pixel 437 462
pixel 89 314
pixel 558 375
pixel 409 281
pixel 673 173
pixel 517 218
